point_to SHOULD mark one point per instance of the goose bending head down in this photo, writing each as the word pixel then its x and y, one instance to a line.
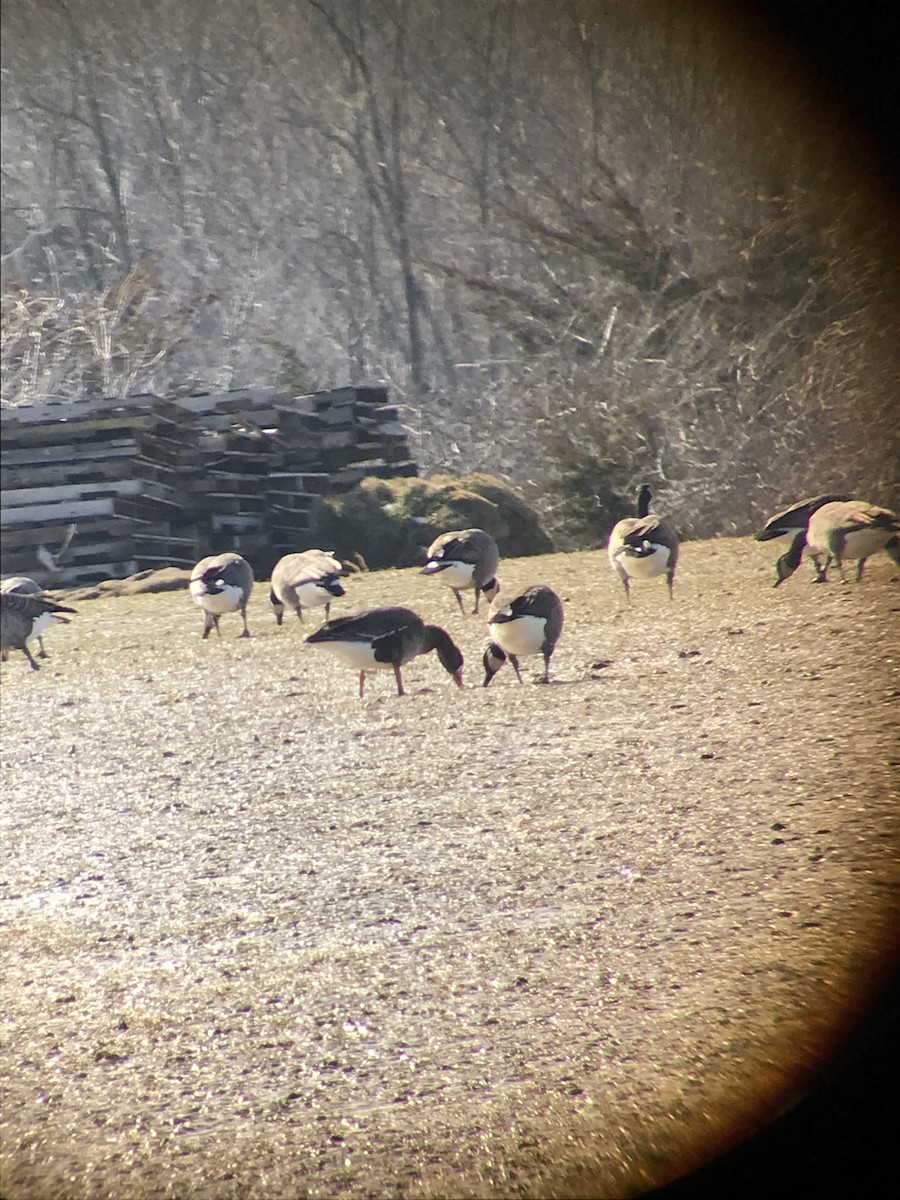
pixel 24 585
pixel 305 580
pixel 853 529
pixel 465 560
pixel 221 583
pixel 644 546
pixel 792 521
pixel 387 639
pixel 21 615
pixel 529 623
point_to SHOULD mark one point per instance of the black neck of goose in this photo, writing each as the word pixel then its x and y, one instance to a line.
pixel 493 659
pixel 644 498
pixel 447 650
pixel 790 560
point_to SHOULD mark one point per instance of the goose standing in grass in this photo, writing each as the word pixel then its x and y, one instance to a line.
pixel 305 580
pixel 387 639
pixel 221 583
pixel 644 546
pixel 23 585
pixel 21 615
pixel 529 623
pixel 793 520
pixel 852 529
pixel 465 559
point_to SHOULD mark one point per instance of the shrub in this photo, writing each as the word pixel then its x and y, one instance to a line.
pixel 391 523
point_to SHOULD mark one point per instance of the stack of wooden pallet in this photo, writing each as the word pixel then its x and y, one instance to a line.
pixel 149 482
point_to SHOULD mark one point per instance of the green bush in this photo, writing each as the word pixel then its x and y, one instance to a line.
pixel 593 495
pixel 391 523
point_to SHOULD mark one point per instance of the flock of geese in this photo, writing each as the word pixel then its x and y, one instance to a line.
pixel 832 529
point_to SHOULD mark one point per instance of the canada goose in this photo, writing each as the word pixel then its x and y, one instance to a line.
pixel 23 585
pixel 464 559
pixel 387 638
pixel 221 583
pixel 644 546
pixel 530 623
pixel 20 614
pixel 791 521
pixel 305 580
pixel 853 529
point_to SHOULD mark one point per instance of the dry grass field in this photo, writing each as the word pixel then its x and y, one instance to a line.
pixel 261 939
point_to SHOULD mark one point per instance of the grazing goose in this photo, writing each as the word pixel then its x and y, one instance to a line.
pixel 221 583
pixel 387 639
pixel 644 546
pixel 530 623
pixel 23 585
pixel 853 529
pixel 305 580
pixel 464 559
pixel 20 615
pixel 791 521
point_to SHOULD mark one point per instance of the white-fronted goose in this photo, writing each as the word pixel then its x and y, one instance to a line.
pixel 464 559
pixel 853 529
pixel 387 639
pixel 305 580
pixel 221 583
pixel 644 546
pixel 20 615
pixel 23 585
pixel 793 520
pixel 529 623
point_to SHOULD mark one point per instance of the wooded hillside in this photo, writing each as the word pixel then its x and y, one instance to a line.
pixel 583 244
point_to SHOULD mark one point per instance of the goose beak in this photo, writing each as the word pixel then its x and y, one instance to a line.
pixel 457 677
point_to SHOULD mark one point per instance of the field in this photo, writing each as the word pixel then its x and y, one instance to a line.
pixel 263 939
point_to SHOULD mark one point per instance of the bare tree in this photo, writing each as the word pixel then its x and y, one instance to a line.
pixel 553 227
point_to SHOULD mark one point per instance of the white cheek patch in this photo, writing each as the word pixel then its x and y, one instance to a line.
pixel 454 574
pixel 524 635
pixel 358 655
pixel 644 566
pixel 492 661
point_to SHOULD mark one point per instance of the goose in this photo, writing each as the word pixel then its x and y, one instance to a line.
pixel 644 546
pixel 793 520
pixel 387 639
pixel 530 623
pixel 305 580
pixel 23 585
pixel 20 614
pixel 221 583
pixel 464 559
pixel 853 529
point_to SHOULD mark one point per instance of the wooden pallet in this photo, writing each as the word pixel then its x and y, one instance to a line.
pixel 153 479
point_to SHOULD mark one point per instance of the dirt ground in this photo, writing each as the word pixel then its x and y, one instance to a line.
pixel 263 939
